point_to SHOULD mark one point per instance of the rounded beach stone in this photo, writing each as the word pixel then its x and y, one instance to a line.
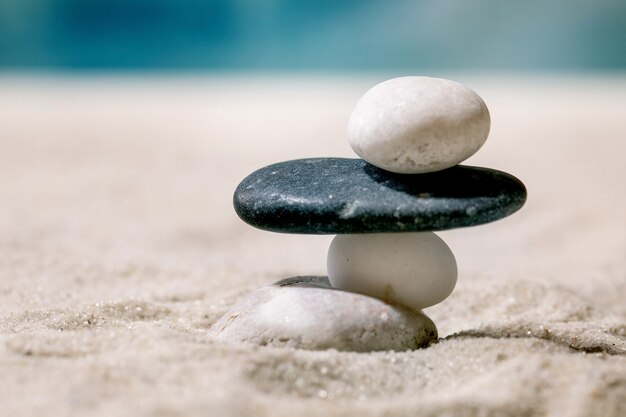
pixel 307 313
pixel 414 269
pixel 413 125
pixel 337 196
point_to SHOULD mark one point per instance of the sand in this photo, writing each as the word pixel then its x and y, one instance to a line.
pixel 119 248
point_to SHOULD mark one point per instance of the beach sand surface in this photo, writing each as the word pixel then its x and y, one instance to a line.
pixel 119 248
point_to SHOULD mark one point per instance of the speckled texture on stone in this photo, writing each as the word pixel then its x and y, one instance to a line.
pixel 337 195
pixel 307 313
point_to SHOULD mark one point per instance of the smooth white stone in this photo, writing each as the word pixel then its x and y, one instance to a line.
pixel 307 313
pixel 414 269
pixel 413 125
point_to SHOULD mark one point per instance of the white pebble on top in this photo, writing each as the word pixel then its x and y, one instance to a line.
pixel 414 125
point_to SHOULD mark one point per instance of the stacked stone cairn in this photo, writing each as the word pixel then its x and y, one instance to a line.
pixel 385 265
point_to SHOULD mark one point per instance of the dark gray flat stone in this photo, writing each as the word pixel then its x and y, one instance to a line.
pixel 338 195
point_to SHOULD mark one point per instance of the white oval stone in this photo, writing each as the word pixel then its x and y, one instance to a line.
pixel 413 125
pixel 307 313
pixel 414 269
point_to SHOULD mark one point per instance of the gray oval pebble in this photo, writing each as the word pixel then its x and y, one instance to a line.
pixel 306 313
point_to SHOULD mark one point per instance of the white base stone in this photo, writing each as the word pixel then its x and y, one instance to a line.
pixel 306 313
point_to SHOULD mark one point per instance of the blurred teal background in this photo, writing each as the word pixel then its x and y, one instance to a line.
pixel 326 35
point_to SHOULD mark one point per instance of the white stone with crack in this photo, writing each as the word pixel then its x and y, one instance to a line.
pixel 307 313
pixel 414 125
